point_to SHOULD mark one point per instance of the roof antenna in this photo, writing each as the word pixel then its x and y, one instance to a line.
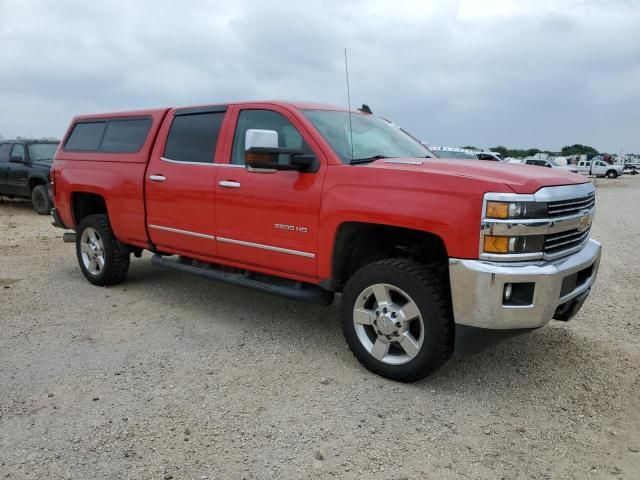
pixel 346 69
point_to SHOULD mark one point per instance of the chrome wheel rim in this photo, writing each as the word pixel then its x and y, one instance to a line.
pixel 92 251
pixel 388 324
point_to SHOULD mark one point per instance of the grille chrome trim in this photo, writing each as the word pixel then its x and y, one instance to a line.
pixel 567 208
pixel 570 209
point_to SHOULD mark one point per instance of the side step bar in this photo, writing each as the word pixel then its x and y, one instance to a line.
pixel 289 288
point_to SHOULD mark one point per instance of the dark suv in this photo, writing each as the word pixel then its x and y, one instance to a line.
pixel 24 171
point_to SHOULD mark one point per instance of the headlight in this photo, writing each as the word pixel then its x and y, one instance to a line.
pixel 520 244
pixel 515 210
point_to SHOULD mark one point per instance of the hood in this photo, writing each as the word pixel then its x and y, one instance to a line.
pixel 518 177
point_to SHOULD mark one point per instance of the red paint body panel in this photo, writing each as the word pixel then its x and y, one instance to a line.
pixel 436 196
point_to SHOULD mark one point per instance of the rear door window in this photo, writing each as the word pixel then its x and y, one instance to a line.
pixel 193 137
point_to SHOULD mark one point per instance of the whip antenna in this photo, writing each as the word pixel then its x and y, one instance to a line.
pixel 346 69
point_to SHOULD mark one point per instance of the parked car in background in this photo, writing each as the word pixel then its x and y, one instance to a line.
pixel 599 168
pixel 24 171
pixel 548 163
pixel 453 152
pixel 490 156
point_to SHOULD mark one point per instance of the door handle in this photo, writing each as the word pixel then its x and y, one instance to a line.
pixel 157 178
pixel 229 184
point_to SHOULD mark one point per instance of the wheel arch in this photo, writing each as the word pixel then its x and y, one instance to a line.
pixel 36 180
pixel 357 244
pixel 87 203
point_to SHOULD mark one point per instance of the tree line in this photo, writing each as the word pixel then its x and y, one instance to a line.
pixel 567 150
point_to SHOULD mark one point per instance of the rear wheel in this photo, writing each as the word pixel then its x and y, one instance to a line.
pixel 98 252
pixel 40 200
pixel 397 320
pixel 612 174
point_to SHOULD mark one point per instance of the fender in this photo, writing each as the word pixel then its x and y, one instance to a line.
pixel 429 202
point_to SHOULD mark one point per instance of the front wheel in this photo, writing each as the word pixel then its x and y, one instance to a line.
pixel 397 320
pixel 98 252
pixel 40 200
pixel 612 174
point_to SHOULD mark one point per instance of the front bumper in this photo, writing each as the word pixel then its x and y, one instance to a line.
pixel 478 286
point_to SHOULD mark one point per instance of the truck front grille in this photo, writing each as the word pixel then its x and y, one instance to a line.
pixel 559 242
pixel 565 208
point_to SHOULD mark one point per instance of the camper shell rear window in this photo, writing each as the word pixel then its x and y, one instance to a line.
pixel 115 135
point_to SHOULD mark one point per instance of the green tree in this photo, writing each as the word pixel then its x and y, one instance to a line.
pixel 578 149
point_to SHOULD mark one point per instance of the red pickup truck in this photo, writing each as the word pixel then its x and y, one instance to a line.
pixel 305 201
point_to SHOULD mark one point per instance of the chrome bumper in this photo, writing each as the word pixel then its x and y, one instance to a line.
pixel 477 289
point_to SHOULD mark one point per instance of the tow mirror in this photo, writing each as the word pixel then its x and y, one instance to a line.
pixel 262 153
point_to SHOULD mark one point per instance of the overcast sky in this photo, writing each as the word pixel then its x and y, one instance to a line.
pixel 525 73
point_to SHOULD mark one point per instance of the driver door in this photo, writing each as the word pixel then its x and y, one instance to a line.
pixel 269 219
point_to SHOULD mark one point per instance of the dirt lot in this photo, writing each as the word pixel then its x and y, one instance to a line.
pixel 169 376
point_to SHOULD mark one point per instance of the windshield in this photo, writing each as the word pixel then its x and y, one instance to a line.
pixel 455 154
pixel 372 136
pixel 42 151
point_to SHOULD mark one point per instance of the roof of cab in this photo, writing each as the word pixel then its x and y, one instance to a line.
pixel 162 111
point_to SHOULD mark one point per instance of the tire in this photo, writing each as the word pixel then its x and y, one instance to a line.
pixel 98 252
pixel 431 332
pixel 40 200
pixel 612 174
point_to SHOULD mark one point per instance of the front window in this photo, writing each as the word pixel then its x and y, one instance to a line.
pixel 364 137
pixel 42 151
pixel 288 135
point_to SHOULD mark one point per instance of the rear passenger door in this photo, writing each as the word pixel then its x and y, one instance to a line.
pixel 180 182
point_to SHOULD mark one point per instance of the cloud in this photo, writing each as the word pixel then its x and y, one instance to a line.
pixel 520 73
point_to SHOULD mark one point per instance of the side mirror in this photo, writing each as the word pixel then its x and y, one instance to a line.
pixel 16 159
pixel 262 153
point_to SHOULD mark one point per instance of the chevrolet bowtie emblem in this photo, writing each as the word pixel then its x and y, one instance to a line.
pixel 585 222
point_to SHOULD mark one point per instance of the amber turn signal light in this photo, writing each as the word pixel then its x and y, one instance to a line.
pixel 496 244
pixel 497 210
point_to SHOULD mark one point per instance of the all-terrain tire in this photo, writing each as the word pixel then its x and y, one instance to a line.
pixel 40 200
pixel 115 264
pixel 428 288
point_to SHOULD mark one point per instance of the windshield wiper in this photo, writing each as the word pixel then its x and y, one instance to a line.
pixel 355 161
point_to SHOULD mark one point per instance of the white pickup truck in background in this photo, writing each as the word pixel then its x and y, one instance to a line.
pixel 599 168
pixel 549 163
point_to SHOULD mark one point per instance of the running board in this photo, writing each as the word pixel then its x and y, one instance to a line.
pixel 300 291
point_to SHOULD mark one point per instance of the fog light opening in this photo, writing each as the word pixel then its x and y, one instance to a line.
pixel 518 294
pixel 508 290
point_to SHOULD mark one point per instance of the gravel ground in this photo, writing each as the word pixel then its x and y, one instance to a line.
pixel 170 376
